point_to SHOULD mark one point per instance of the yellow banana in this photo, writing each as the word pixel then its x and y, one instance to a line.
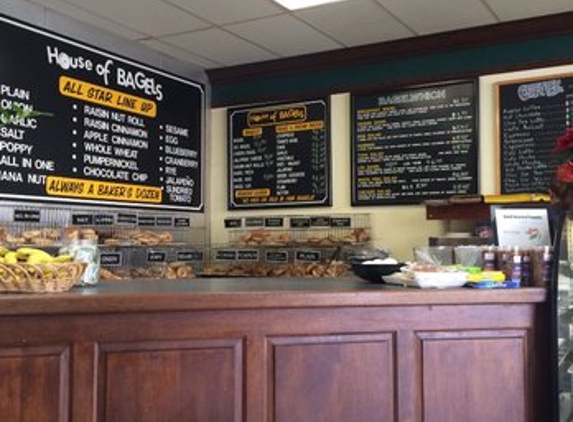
pixel 25 253
pixel 36 258
pixel 64 258
pixel 3 251
pixel 11 258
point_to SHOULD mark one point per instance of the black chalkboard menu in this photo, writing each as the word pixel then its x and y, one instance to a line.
pixel 414 144
pixel 80 125
pixel 531 115
pixel 279 155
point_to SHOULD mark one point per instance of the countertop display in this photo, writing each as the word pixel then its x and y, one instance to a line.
pixel 281 350
pixel 247 293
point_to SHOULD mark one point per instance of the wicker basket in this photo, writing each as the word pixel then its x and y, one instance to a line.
pixel 41 278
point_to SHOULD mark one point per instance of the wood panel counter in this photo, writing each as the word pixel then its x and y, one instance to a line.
pixel 279 350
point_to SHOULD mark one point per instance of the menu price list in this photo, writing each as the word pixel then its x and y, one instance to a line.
pixel 532 114
pixel 95 127
pixel 279 155
pixel 414 144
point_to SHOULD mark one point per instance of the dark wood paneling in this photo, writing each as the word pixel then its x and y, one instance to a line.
pixel 85 361
pixel 194 381
pixel 475 376
pixel 307 355
pixel 34 384
pixel 167 326
pixel 479 211
pixel 332 378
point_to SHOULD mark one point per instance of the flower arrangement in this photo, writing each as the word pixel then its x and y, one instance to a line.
pixel 564 153
pixel 561 187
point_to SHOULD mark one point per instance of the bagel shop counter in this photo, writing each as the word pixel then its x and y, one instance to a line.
pixel 257 349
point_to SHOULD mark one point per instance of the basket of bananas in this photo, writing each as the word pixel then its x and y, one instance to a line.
pixel 32 270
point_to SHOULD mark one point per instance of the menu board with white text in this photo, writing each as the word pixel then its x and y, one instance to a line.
pixel 532 114
pixel 414 144
pixel 81 125
pixel 279 155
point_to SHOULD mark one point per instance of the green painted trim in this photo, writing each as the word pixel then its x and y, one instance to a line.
pixel 477 59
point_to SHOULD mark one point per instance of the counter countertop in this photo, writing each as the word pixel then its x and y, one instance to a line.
pixel 248 293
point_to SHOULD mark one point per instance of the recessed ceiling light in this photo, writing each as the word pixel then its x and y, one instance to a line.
pixel 301 4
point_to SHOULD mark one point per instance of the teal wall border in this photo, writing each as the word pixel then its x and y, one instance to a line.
pixel 436 66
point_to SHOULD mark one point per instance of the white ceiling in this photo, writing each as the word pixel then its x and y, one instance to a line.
pixel 218 33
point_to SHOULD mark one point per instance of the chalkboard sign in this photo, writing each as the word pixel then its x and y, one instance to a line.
pixel 276 257
pixel 26 216
pixel 340 222
pixel 127 219
pixel 189 255
pixel 274 222
pixel 247 255
pixel 80 125
pixel 308 255
pixel 414 144
pixel 156 256
pixel 299 222
pixel 254 222
pixel 82 219
pixel 531 115
pixel 104 220
pixel 182 222
pixel 111 259
pixel 279 155
pixel 233 223
pixel 164 221
pixel 146 221
pixel 226 255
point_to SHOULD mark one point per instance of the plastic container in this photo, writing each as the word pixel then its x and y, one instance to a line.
pixel 516 268
pixel 434 255
pixel 489 258
pixel 468 256
pixel 86 251
pixel 503 257
pixel 541 264
pixel 436 279
pixel 527 272
pixel 440 280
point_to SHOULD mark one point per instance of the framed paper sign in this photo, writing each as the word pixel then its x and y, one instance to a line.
pixel 523 227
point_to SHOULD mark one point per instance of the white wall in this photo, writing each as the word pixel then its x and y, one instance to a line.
pixel 397 227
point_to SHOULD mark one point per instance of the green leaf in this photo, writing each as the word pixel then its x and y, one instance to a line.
pixel 17 112
pixel 565 156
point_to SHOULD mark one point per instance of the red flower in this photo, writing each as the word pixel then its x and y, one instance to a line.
pixel 565 172
pixel 564 142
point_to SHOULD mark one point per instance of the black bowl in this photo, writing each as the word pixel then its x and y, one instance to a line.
pixel 374 272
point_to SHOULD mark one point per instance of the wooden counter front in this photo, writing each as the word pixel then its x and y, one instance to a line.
pixel 254 350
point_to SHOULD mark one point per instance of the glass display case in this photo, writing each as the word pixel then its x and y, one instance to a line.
pixel 132 243
pixel 562 320
pixel 305 245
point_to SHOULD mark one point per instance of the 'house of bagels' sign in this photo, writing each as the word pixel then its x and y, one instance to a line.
pixel 82 125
